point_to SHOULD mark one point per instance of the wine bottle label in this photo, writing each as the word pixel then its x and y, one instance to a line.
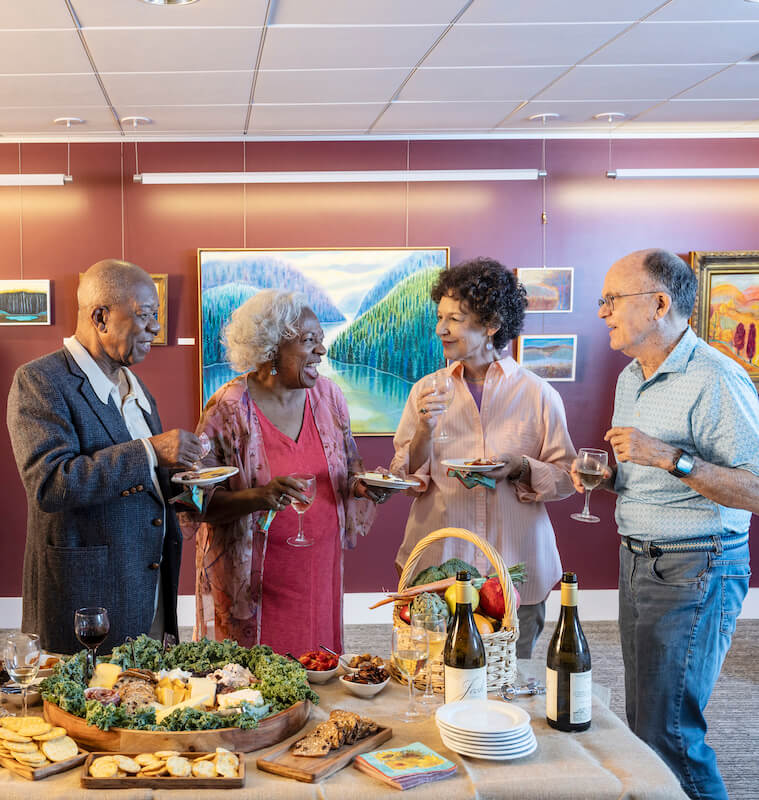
pixel 580 696
pixel 465 684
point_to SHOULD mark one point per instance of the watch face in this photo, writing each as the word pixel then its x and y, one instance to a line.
pixel 684 465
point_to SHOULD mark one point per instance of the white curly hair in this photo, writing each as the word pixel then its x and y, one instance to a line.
pixel 252 336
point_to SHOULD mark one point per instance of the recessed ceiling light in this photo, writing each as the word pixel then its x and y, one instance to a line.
pixel 609 116
pixel 68 121
pixel 169 2
pixel 135 121
pixel 544 116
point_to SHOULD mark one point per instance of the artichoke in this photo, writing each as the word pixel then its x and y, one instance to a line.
pixel 430 603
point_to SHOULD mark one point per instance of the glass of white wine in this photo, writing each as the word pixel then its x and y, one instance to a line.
pixel 308 482
pixel 22 659
pixel 441 383
pixel 591 467
pixel 437 629
pixel 410 653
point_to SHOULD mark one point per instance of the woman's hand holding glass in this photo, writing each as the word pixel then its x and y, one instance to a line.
pixel 434 399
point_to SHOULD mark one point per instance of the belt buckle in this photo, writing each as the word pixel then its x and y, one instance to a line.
pixel 655 551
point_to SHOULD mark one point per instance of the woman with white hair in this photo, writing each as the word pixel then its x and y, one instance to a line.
pixel 278 418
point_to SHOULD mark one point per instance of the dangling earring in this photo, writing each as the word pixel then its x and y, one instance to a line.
pixel 273 370
pixel 489 345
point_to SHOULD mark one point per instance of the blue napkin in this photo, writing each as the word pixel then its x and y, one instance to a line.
pixel 470 479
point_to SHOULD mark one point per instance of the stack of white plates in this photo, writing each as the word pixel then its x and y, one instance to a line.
pixel 486 729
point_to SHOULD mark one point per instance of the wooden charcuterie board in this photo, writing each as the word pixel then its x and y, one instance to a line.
pixel 281 761
pixel 37 773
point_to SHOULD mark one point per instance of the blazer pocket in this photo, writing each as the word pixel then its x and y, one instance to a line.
pixel 75 577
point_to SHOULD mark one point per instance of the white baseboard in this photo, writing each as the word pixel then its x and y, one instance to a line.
pixel 594 604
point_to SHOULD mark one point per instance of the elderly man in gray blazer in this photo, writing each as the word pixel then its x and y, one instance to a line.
pixel 91 454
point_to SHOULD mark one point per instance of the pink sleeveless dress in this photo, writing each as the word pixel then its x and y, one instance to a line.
pixel 301 603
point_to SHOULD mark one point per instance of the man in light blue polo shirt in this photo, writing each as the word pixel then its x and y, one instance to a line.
pixel 685 434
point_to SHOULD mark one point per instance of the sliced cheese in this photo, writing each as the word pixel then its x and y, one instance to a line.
pixel 193 702
pixel 252 696
pixel 200 687
pixel 105 675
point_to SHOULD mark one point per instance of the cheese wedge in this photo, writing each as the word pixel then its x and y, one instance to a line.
pixel 200 687
pixel 193 702
pixel 232 699
pixel 105 675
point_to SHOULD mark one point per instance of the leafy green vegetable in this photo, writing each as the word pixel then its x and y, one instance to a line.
pixel 283 683
pixel 148 654
pixel 429 575
pixel 454 565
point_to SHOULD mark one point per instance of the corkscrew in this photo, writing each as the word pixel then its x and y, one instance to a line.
pixel 532 687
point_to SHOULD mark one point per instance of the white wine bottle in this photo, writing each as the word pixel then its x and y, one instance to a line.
pixel 464 655
pixel 568 675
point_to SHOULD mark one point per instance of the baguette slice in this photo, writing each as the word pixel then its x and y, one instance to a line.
pixel 311 746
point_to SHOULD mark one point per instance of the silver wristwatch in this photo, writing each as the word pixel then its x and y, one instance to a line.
pixel 682 464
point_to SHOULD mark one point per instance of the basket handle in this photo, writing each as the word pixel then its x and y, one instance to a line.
pixel 493 556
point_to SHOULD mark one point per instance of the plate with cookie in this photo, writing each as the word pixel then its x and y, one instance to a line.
pixel 472 464
pixel 34 749
pixel 383 481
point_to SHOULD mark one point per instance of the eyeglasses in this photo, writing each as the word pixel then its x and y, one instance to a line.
pixel 608 301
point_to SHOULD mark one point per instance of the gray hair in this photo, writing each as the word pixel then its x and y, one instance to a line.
pixel 109 282
pixel 676 276
pixel 252 336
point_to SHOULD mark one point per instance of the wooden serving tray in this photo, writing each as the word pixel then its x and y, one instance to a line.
pixel 37 773
pixel 123 740
pixel 162 782
pixel 281 761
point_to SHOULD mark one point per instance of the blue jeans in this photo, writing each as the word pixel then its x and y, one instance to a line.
pixel 532 620
pixel 677 615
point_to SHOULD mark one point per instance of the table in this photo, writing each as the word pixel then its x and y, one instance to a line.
pixel 605 762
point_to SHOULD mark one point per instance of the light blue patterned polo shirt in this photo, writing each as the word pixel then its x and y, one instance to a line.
pixel 703 402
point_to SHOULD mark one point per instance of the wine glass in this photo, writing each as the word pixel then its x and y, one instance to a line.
pixel 22 659
pixel 436 627
pixel 591 466
pixel 308 482
pixel 441 383
pixel 410 653
pixel 91 626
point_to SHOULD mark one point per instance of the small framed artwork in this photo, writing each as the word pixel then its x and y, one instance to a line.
pixel 549 291
pixel 25 302
pixel 551 356
pixel 727 309
pixel 161 281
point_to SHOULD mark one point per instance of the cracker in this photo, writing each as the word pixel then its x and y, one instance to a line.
pixel 226 765
pixel 31 760
pixel 31 726
pixel 178 767
pixel 145 759
pixel 166 753
pixel 104 767
pixel 60 749
pixel 11 736
pixel 127 764
pixel 55 733
pixel 204 769
pixel 22 747
pixel 205 757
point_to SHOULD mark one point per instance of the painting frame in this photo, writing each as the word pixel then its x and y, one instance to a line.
pixel 523 273
pixel 350 288
pixel 161 281
pixel 708 265
pixel 35 286
pixel 527 340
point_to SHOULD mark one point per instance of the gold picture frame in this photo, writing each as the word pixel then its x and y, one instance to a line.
pixel 161 281
pixel 727 309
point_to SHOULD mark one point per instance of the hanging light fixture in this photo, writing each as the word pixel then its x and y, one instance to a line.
pixel 38 178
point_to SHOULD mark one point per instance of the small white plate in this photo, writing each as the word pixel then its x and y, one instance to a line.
pixel 206 476
pixel 482 716
pixel 491 755
pixel 391 482
pixel 460 464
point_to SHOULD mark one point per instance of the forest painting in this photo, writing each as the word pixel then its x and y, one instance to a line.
pixel 551 356
pixel 373 304
pixel 25 302
pixel 548 290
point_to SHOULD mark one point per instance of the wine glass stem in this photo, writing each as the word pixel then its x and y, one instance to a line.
pixel 586 510
pixel 23 696
pixel 300 526
pixel 411 702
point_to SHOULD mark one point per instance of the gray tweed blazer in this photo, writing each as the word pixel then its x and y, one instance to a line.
pixel 94 519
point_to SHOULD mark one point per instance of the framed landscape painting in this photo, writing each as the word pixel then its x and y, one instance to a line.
pixel 25 302
pixel 161 281
pixel 551 356
pixel 549 290
pixel 727 309
pixel 373 304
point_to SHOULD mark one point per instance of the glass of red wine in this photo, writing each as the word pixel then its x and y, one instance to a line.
pixel 91 626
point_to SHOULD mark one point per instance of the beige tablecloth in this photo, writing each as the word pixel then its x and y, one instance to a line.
pixel 606 762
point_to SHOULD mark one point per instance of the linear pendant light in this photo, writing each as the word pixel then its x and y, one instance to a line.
pixel 35 179
pixel 342 176
pixel 696 172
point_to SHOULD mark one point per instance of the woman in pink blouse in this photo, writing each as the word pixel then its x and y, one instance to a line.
pixel 499 411
pixel 278 418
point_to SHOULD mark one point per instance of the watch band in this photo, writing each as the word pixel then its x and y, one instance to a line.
pixel 682 464
pixel 522 471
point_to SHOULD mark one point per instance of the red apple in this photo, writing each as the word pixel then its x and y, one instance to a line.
pixel 491 598
pixel 405 614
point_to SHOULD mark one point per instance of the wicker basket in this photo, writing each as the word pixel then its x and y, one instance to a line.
pixel 500 647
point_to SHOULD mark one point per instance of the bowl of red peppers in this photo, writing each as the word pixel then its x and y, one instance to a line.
pixel 320 665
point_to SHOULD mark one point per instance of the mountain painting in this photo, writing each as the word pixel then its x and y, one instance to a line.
pixel 548 290
pixel 551 357
pixel 734 317
pixel 374 307
pixel 25 302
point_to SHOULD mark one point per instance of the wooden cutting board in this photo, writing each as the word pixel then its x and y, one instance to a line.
pixel 37 773
pixel 281 761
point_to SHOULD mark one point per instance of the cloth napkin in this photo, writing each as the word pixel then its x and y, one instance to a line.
pixel 470 479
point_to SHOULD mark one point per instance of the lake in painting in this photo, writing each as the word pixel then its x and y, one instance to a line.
pixel 25 302
pixel 548 290
pixel 550 356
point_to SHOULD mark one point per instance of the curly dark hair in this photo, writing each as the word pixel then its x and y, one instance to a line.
pixel 490 291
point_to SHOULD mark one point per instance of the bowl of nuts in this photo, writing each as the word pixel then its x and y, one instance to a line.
pixel 352 662
pixel 366 681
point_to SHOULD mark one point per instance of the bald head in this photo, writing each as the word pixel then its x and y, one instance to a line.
pixel 109 282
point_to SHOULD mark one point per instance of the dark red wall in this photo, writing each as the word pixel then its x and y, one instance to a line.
pixel 591 222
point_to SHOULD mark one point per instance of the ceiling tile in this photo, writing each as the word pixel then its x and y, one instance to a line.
pixel 328 86
pixel 739 81
pixel 189 119
pixel 178 88
pixel 165 50
pixel 519 45
pixel 581 112
pixel 625 83
pixel 478 83
pixel 34 52
pixel 36 15
pixel 442 116
pixel 683 10
pixel 40 121
pixel 365 12
pixel 557 11
pixel 703 110
pixel 69 91
pixel 96 13
pixel 307 118
pixel 682 43
pixel 357 47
